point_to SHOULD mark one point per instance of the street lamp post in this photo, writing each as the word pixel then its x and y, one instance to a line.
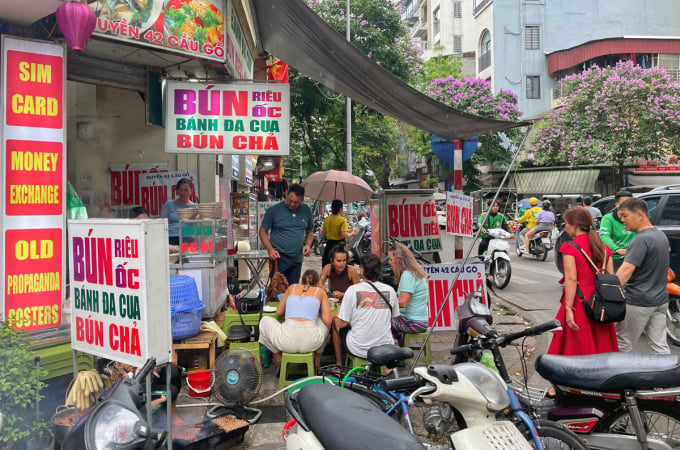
pixel 348 113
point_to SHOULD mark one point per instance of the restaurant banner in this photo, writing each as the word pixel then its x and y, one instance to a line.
pixel 33 116
pixel 227 118
pixel 413 219
pixel 120 289
pixel 190 27
pixel 440 278
pixel 158 188
pixel 124 188
pixel 458 214
pixel 238 60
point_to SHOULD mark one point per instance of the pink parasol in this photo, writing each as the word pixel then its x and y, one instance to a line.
pixel 333 184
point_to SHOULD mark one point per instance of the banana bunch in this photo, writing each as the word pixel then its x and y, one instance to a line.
pixel 88 384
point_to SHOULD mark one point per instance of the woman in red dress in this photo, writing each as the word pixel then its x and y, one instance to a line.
pixel 579 334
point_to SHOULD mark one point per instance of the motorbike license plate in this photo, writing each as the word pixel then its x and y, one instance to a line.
pixel 545 241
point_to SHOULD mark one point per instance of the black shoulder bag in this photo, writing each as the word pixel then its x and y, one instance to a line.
pixel 607 304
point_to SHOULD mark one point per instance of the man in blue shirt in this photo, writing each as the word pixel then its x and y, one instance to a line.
pixel 291 225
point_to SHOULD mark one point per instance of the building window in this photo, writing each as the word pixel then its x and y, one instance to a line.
pixel 532 37
pixel 485 51
pixel 457 10
pixel 437 21
pixel 533 86
pixel 457 44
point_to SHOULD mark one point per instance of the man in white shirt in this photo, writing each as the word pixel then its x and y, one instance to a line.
pixel 366 312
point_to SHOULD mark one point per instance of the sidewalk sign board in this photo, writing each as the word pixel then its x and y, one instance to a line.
pixel 120 289
pixel 409 216
pixel 440 278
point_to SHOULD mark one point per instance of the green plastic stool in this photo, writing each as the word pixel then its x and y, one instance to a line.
pixel 252 347
pixel 426 357
pixel 353 361
pixel 295 358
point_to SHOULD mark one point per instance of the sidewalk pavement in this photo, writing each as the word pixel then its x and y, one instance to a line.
pixel 266 434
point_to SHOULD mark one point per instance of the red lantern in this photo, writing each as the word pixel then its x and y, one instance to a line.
pixel 76 20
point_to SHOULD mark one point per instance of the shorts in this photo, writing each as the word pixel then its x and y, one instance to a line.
pixel 543 226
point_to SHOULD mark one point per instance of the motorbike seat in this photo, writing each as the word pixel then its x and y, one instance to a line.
pixel 388 355
pixel 611 371
pixel 340 418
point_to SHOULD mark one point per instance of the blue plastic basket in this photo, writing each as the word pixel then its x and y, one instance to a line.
pixel 186 324
pixel 186 307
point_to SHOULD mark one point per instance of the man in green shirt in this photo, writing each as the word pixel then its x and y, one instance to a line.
pixel 493 219
pixel 291 224
pixel 614 233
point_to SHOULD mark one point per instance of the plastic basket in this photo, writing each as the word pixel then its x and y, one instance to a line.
pixel 184 294
pixel 186 324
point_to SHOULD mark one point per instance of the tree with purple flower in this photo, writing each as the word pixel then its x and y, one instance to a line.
pixel 612 115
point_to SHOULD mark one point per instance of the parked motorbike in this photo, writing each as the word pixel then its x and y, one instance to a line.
pixel 496 258
pixel 319 242
pixel 673 313
pixel 539 245
pixel 360 243
pixel 619 401
pixel 116 420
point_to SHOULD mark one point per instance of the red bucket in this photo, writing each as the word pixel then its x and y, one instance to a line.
pixel 200 382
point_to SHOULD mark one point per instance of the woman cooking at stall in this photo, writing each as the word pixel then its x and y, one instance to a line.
pixel 169 210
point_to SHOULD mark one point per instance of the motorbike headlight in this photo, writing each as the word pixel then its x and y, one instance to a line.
pixel 114 426
pixel 488 383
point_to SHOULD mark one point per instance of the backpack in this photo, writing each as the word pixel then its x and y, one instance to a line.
pixel 607 304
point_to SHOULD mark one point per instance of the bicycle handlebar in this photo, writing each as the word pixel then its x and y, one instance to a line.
pixel 501 340
pixel 409 383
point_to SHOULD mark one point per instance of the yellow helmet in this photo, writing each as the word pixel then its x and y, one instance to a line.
pixel 533 201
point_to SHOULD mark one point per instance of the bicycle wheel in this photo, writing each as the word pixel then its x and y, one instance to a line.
pixel 660 423
pixel 553 436
pixel 673 320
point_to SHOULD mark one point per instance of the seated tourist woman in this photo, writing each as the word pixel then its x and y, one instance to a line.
pixel 413 292
pixel 340 276
pixel 308 316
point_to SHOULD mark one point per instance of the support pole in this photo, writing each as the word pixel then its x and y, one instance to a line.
pixel 348 113
pixel 458 189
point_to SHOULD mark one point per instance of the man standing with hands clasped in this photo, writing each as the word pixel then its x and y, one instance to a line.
pixel 291 224
pixel 643 275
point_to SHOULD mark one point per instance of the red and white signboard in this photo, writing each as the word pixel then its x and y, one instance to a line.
pixel 120 289
pixel 413 219
pixel 440 278
pixel 157 188
pixel 33 172
pixel 458 214
pixel 228 118
pixel 126 191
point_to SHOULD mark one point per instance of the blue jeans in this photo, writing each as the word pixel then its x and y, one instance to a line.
pixel 289 268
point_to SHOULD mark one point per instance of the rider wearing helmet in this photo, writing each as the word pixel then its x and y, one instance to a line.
pixel 493 219
pixel 529 216
pixel 545 220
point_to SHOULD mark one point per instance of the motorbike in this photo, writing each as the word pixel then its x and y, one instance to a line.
pixel 360 244
pixel 673 312
pixel 539 245
pixel 319 242
pixel 619 401
pixel 116 420
pixel 496 258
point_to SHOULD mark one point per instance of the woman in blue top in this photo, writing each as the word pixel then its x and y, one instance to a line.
pixel 308 316
pixel 413 293
pixel 169 209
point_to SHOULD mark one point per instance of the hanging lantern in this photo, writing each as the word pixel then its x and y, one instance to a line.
pixel 76 20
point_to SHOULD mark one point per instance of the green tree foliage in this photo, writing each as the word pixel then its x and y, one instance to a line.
pixel 19 386
pixel 318 114
pixel 613 114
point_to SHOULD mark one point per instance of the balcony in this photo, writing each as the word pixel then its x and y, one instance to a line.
pixel 420 29
pixel 484 61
